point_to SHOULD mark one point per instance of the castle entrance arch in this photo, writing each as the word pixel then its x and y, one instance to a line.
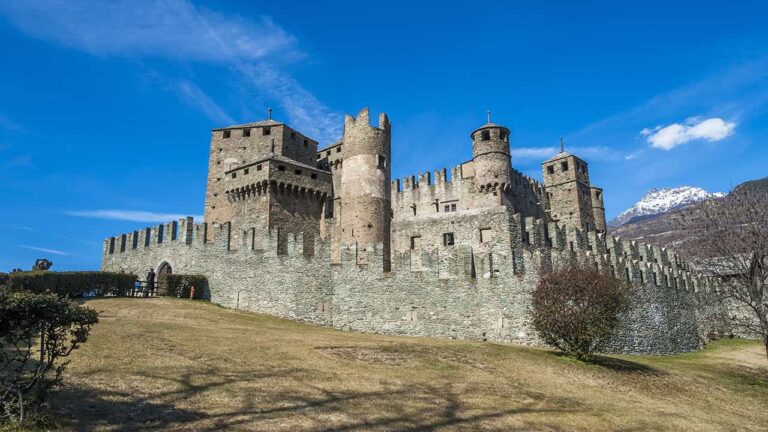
pixel 163 270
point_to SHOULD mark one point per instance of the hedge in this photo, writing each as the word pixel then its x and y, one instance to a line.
pixel 72 284
pixel 178 285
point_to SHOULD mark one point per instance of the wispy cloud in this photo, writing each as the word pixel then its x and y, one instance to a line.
pixel 17 227
pixel 696 128
pixel 196 97
pixel 736 93
pixel 165 28
pixel 256 49
pixel 44 250
pixel 8 124
pixel 129 215
pixel 22 161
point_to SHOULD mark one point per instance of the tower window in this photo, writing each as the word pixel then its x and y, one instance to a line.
pixel 415 242
pixel 226 134
pixel 453 207
pixel 448 239
pixel 551 169
pixel 486 135
pixel 281 168
pixel 447 208
pixel 486 235
pixel 293 135
pixel 266 131
pixel 338 149
pixel 306 143
pixel 246 171
pixel 297 172
pixel 234 175
pixel 328 153
pixel 314 176
pixel 258 167
pixel 503 136
pixel 246 132
pixel 381 161
pixel 564 166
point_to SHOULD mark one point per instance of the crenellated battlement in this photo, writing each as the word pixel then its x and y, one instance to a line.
pixel 438 178
pixel 542 246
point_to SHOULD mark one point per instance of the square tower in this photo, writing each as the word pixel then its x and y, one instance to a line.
pixel 237 146
pixel 569 194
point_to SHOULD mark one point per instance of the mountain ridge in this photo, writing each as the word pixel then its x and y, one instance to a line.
pixel 664 200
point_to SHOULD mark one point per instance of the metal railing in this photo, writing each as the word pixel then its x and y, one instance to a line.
pixel 143 289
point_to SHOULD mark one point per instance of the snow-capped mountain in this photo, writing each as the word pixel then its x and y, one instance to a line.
pixel 658 201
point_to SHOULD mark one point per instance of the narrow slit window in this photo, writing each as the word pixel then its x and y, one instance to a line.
pixel 448 239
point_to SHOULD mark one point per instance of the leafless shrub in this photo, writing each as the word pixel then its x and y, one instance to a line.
pixel 576 308
pixel 731 240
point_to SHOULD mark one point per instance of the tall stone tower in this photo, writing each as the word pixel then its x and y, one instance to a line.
pixel 566 180
pixel 492 159
pixel 366 208
pixel 598 209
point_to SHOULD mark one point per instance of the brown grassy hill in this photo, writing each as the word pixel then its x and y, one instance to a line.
pixel 168 364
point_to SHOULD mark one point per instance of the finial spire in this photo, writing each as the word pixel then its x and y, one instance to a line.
pixel 489 116
pixel 269 113
pixel 562 145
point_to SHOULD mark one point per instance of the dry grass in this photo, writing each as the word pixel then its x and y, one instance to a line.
pixel 166 364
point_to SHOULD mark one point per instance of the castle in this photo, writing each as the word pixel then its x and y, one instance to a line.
pixel 324 236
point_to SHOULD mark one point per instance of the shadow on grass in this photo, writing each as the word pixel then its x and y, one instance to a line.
pixel 615 364
pixel 286 400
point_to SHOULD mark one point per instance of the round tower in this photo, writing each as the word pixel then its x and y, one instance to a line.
pixel 366 207
pixel 491 156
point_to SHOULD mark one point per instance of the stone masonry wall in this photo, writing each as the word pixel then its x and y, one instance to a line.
pixel 449 292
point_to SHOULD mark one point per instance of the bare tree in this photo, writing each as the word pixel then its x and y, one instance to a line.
pixel 730 240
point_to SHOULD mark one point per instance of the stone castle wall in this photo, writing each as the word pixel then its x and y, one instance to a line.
pixel 460 291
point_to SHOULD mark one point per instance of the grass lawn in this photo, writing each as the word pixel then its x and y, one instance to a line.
pixel 168 364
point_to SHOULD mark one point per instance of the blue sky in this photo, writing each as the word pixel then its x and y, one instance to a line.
pixel 107 107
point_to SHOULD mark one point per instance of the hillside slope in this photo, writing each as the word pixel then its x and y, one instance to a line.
pixel 659 201
pixel 661 229
pixel 169 364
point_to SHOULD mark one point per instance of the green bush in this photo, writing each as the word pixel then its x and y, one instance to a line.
pixel 72 284
pixel 37 331
pixel 178 285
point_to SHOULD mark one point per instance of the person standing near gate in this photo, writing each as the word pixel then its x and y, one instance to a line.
pixel 150 282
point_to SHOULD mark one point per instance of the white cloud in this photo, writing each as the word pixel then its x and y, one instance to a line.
pixel 694 128
pixel 45 250
pixel 179 30
pixel 129 215
pixel 196 97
